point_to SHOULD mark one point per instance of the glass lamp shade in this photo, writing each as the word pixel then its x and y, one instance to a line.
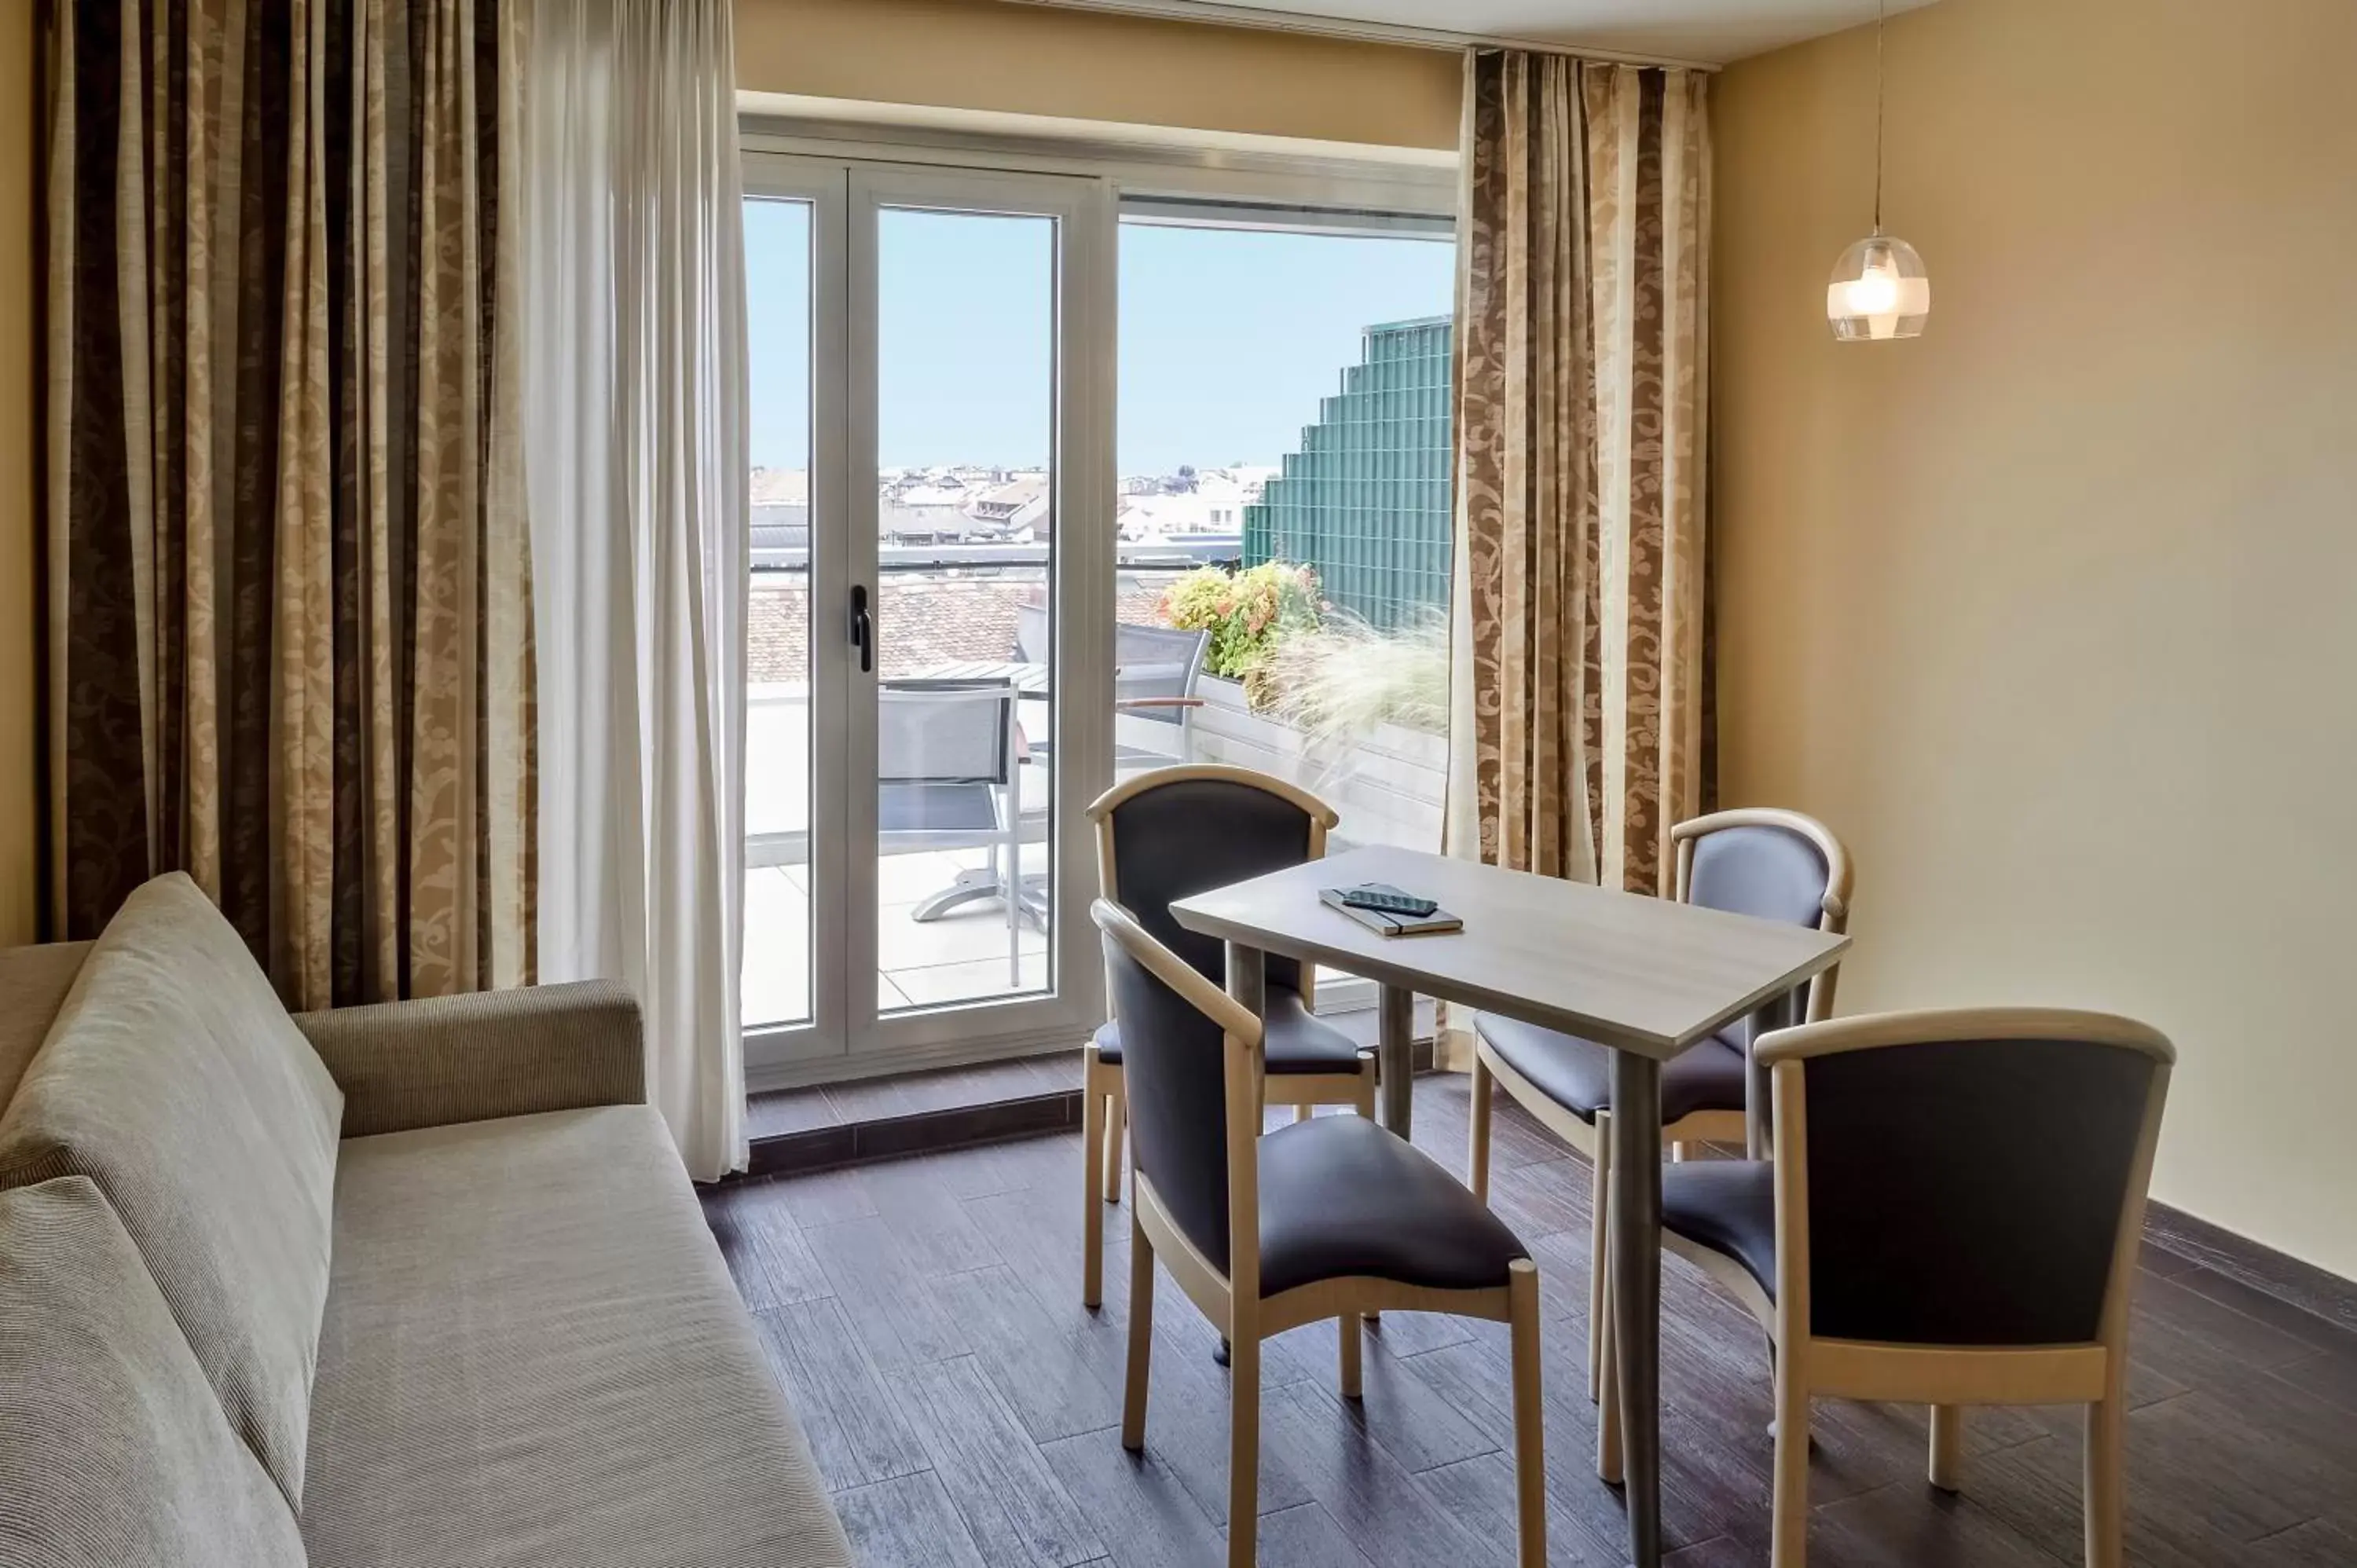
pixel 1879 291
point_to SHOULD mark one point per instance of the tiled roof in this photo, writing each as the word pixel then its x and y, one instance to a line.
pixel 922 622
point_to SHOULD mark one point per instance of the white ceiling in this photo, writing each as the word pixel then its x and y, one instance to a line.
pixel 1698 31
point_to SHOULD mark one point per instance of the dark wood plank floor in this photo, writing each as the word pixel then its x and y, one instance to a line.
pixel 924 1317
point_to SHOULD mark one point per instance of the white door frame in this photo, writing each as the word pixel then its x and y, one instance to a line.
pixel 847 1037
pixel 825 187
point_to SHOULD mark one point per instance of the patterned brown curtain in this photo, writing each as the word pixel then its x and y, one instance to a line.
pixel 1582 384
pixel 289 577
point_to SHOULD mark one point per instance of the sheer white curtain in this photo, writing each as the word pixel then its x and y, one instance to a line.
pixel 636 462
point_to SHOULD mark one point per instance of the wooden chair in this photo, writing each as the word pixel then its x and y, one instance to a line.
pixel 1162 836
pixel 1332 1218
pixel 1952 1218
pixel 1776 864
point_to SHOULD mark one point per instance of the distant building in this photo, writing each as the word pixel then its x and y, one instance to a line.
pixel 1366 501
pixel 780 519
pixel 778 487
pixel 781 535
pixel 1017 508
pixel 1225 492
pixel 1183 515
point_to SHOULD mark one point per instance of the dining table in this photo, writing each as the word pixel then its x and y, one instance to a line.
pixel 1645 977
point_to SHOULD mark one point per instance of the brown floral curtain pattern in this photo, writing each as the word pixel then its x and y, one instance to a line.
pixel 1581 390
pixel 289 578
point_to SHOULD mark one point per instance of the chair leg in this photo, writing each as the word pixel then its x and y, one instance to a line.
pixel 1599 1242
pixel 1010 894
pixel 1243 1450
pixel 1350 1333
pixel 1302 1112
pixel 1947 1464
pixel 1530 1413
pixel 1093 1104
pixel 1476 1153
pixel 2107 1488
pixel 1116 1135
pixel 1134 1382
pixel 1366 1108
pixel 1607 1400
pixel 1789 1537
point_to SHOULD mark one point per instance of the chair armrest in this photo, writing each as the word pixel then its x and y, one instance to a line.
pixel 442 1059
pixel 1124 704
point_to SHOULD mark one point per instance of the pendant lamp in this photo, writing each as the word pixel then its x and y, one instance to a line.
pixel 1879 290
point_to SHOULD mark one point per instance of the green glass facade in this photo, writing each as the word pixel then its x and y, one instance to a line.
pixel 1366 499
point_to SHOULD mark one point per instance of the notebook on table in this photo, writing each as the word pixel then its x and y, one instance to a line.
pixel 1387 922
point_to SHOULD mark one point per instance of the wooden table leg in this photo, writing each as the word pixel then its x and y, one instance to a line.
pixel 1781 1013
pixel 1636 1266
pixel 1395 1058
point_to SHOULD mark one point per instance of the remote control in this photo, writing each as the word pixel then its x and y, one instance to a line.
pixel 1388 900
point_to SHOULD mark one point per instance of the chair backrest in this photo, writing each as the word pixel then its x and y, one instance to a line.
pixel 945 732
pixel 1772 865
pixel 1148 661
pixel 1176 831
pixel 1032 644
pixel 1972 1178
pixel 1157 661
pixel 1175 1027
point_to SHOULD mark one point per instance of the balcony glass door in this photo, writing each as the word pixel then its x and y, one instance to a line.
pixel 954 584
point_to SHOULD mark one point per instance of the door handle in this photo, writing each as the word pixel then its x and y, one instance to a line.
pixel 862 628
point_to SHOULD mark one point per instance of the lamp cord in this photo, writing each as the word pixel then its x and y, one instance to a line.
pixel 1879 17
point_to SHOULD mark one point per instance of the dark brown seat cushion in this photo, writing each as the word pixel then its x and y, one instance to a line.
pixel 1339 1196
pixel 1728 1206
pixel 1299 1042
pixel 1577 1074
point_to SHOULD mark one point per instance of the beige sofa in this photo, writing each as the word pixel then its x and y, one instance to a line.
pixel 422 1284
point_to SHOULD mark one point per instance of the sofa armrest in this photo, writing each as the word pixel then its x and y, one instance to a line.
pixel 490 1053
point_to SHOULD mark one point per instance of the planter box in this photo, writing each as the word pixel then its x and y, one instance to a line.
pixel 1388 788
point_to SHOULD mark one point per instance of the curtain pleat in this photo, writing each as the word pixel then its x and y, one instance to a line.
pixel 289 561
pixel 638 461
pixel 1577 689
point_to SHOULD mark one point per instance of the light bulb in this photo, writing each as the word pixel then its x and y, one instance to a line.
pixel 1878 292
pixel 1875 293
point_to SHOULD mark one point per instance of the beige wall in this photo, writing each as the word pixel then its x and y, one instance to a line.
pixel 2053 613
pixel 1040 59
pixel 19 775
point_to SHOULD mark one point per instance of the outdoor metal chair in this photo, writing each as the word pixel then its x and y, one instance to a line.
pixel 949 776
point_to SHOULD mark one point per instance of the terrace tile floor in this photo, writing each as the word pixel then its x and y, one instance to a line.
pixel 961 956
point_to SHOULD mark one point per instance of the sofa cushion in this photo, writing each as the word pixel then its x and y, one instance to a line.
pixel 174 1080
pixel 114 1448
pixel 534 1358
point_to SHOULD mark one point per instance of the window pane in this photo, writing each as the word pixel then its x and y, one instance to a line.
pixel 965 719
pixel 1285 447
pixel 776 988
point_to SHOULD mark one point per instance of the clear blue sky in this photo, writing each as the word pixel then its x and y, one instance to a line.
pixel 1228 337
